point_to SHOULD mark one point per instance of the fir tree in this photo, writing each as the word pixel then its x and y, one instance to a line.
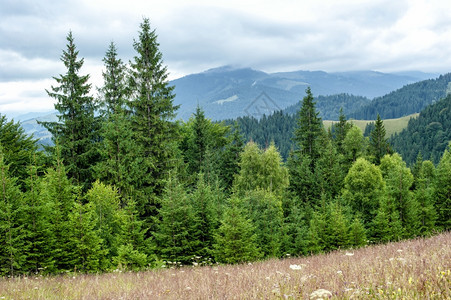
pixel 229 164
pixel 152 111
pixel 12 234
pixel 378 146
pixel 77 128
pixel 341 130
pixel 357 233
pixel 235 239
pixel 442 192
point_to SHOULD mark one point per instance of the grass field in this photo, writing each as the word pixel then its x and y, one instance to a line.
pixel 416 269
pixel 391 125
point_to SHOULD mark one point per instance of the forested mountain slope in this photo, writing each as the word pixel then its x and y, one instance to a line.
pixel 407 100
pixel 429 134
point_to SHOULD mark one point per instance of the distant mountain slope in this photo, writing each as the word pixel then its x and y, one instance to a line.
pixel 430 133
pixel 407 100
pixel 228 92
pixel 329 106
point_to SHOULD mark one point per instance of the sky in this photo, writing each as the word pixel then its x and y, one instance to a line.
pixel 272 36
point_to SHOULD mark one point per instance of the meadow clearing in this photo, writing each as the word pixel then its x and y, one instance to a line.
pixel 414 269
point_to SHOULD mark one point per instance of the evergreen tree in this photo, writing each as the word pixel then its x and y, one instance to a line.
pixel 265 211
pixel 37 225
pixel 77 127
pixel 152 111
pixel 229 164
pixel 337 227
pixel 177 235
pixel 386 225
pixel 294 240
pixel 378 146
pixel 309 128
pixel 12 234
pixel 354 146
pixel 18 149
pixel 357 233
pixel 57 190
pixel 317 232
pixel 235 239
pixel 341 130
pixel 117 165
pixel 329 172
pixel 108 216
pixel 442 194
pixel 424 190
pixel 399 179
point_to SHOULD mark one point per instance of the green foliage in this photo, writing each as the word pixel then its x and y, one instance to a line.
pixel 12 234
pixel 151 103
pixel 428 133
pixel 357 233
pixel 18 148
pixel 442 194
pixel 363 188
pixel 378 145
pixel 235 239
pixel 77 128
pixel 354 146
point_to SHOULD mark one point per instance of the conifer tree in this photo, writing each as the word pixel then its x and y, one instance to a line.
pixel 317 232
pixel 354 146
pixel 229 163
pixel 265 211
pixel 117 165
pixel 12 234
pixel 341 130
pixel 386 225
pixel 338 227
pixel 57 190
pixel 77 127
pixel 294 240
pixel 37 225
pixel 235 239
pixel 399 179
pixel 442 194
pixel 357 233
pixel 378 146
pixel 177 234
pixel 309 128
pixel 329 172
pixel 424 190
pixel 152 108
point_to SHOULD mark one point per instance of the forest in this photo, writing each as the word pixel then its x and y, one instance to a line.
pixel 126 186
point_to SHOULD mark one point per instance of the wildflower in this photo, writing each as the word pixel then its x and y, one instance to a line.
pixel 349 254
pixel 339 272
pixel 295 267
pixel 267 278
pixel 320 294
pixel 399 250
pixel 195 264
pixel 188 288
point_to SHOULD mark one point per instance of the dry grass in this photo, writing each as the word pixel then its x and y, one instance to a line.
pixel 392 126
pixel 416 269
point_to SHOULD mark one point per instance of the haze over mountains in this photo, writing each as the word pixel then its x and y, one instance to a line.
pixel 228 92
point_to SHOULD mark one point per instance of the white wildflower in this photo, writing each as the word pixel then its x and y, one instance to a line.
pixel 295 267
pixel 399 250
pixel 349 254
pixel 320 294
pixel 339 272
pixel 188 288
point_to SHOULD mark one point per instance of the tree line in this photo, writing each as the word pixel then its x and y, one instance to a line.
pixel 131 188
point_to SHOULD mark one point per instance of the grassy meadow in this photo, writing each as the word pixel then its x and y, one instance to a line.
pixel 392 126
pixel 415 269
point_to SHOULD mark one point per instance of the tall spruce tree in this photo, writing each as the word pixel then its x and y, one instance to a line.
pixel 77 127
pixel 152 113
pixel 378 146
pixel 12 235
pixel 117 147
pixel 442 192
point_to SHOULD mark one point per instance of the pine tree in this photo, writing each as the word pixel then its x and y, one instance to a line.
pixel 18 149
pixel 265 211
pixel 37 225
pixel 117 165
pixel 12 236
pixel 386 225
pixel 309 128
pixel 357 233
pixel 177 234
pixel 378 146
pixel 108 216
pixel 424 190
pixel 87 249
pixel 229 164
pixel 337 227
pixel 57 190
pixel 329 171
pixel 341 130
pixel 399 179
pixel 317 232
pixel 153 109
pixel 77 127
pixel 442 194
pixel 235 239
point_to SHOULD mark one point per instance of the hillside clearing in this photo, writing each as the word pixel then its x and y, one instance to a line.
pixel 392 126
pixel 415 269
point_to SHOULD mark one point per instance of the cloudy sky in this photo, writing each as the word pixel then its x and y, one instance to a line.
pixel 284 35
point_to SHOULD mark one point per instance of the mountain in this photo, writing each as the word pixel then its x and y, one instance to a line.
pixel 228 92
pixel 429 133
pixel 407 100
